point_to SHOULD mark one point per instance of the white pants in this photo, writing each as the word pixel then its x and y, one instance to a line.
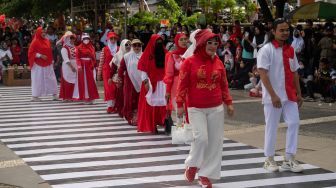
pixel 290 113
pixel 206 149
pixel 43 81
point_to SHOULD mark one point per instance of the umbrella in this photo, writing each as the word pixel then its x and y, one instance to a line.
pixel 315 10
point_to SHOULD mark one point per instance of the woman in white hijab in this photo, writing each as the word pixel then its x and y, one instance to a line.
pixel 125 47
pixel 132 81
pixel 69 66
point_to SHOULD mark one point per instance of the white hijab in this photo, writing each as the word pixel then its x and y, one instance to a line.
pixel 120 54
pixel 131 61
pixel 113 47
pixel 192 47
pixel 297 44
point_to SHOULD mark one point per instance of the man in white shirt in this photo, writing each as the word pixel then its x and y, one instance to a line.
pixel 281 95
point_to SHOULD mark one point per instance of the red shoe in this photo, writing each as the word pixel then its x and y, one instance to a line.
pixel 110 110
pixel 204 182
pixel 190 174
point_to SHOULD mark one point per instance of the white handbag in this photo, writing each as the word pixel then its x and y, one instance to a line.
pixel 182 134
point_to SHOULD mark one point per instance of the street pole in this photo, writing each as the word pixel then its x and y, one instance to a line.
pixel 71 14
pixel 125 31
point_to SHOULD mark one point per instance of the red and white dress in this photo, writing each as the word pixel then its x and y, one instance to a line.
pixel 131 85
pixel 152 103
pixel 69 77
pixel 85 87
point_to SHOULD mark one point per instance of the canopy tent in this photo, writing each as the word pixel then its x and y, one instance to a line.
pixel 321 10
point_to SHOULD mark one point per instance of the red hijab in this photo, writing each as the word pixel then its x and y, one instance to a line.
pixel 147 61
pixel 200 52
pixel 179 50
pixel 42 46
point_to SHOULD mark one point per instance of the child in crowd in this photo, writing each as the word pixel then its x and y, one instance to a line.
pixel 16 52
pixel 323 80
pixel 255 85
pixel 228 58
pixel 241 77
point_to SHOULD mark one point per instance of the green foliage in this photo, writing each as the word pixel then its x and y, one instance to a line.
pixel 229 3
pixel 169 9
pixel 33 8
pixel 191 20
pixel 142 18
pixel 239 14
pixel 217 5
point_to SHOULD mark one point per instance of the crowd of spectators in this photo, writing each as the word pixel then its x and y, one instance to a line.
pixel 314 44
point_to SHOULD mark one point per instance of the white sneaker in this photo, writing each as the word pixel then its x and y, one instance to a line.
pixel 270 165
pixel 55 98
pixel 291 165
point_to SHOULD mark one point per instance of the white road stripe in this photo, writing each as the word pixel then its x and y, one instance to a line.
pixel 157 179
pixel 32 112
pixel 280 180
pixel 78 135
pixel 110 146
pixel 83 124
pixel 49 123
pixel 145 160
pixel 111 128
pixel 129 152
pixel 126 171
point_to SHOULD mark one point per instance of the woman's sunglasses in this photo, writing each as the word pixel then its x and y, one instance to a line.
pixel 136 45
pixel 212 43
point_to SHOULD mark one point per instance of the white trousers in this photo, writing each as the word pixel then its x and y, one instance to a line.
pixel 290 113
pixel 206 149
pixel 43 81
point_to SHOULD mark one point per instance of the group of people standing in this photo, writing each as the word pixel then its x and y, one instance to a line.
pixel 77 82
pixel 145 87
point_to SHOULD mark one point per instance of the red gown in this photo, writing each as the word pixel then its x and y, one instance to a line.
pixel 131 96
pixel 150 116
pixel 86 60
pixel 66 86
pixel 109 89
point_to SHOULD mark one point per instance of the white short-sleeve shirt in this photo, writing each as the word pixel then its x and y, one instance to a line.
pixel 270 58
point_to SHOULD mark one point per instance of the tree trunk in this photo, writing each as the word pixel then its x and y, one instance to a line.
pixel 280 6
pixel 267 15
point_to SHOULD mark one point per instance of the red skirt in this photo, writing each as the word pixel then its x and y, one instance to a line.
pixel 149 116
pixel 66 90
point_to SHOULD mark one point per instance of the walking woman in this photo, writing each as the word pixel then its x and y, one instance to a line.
pixel 42 70
pixel 69 66
pixel 125 47
pixel 132 81
pixel 173 64
pixel 203 83
pixel 86 88
pixel 104 70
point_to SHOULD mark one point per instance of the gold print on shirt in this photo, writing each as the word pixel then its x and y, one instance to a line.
pixel 202 81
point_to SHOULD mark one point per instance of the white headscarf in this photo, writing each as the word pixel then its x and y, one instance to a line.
pixel 298 43
pixel 131 61
pixel 65 40
pixel 120 54
pixel 192 47
pixel 113 47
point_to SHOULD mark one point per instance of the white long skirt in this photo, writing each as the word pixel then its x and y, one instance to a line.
pixel 43 81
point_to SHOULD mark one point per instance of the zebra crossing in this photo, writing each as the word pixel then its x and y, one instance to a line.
pixel 73 145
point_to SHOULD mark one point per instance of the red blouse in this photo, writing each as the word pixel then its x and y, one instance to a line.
pixel 202 90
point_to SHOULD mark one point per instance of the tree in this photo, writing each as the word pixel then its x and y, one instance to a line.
pixel 32 8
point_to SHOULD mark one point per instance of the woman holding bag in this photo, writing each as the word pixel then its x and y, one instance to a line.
pixel 203 80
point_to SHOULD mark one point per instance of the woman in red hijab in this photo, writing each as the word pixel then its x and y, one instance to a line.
pixel 173 63
pixel 104 70
pixel 41 64
pixel 203 81
pixel 86 88
pixel 152 102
